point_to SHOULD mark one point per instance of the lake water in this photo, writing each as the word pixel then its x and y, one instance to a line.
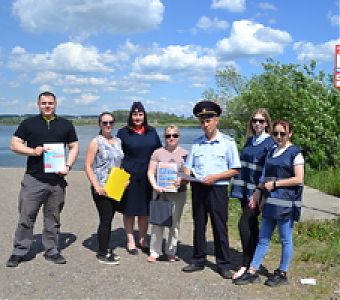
pixel 9 159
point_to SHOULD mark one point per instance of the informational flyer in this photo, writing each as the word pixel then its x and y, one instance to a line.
pixel 167 176
pixel 54 157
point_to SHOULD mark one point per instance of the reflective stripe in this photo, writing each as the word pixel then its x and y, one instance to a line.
pixel 284 203
pixel 251 166
pixel 266 179
pixel 240 182
pixel 251 186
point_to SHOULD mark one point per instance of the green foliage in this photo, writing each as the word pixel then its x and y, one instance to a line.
pixel 327 181
pixel 121 116
pixel 319 241
pixel 293 92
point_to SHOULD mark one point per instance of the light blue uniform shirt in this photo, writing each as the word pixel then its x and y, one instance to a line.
pixel 213 157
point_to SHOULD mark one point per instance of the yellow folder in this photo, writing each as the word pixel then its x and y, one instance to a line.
pixel 116 183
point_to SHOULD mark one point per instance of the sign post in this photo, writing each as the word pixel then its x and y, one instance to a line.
pixel 337 67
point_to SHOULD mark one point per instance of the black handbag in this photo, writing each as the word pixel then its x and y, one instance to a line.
pixel 160 211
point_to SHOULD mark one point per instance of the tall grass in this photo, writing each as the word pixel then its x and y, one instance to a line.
pixel 327 181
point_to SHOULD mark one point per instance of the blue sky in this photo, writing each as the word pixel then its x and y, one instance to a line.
pixel 105 54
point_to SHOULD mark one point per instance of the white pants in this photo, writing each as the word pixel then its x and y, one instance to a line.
pixel 157 232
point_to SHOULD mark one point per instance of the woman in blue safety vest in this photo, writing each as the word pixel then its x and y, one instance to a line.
pixel 252 158
pixel 280 188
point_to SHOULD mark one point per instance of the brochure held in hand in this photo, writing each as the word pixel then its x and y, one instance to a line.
pixel 167 176
pixel 54 157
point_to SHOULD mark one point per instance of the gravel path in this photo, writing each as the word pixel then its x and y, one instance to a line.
pixel 83 277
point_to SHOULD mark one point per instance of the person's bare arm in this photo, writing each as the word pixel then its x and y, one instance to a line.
pixel 19 146
pixel 211 179
pixel 297 179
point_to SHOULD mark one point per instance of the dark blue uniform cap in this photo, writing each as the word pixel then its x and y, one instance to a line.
pixel 137 106
pixel 207 109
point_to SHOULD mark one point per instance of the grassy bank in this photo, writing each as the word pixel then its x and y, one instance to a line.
pixel 316 255
pixel 327 181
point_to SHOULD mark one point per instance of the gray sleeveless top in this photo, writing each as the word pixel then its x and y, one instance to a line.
pixel 108 156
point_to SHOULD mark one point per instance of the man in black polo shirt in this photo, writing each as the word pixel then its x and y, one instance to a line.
pixel 38 187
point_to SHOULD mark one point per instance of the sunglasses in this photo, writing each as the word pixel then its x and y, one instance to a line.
pixel 107 123
pixel 279 133
pixel 175 136
pixel 260 121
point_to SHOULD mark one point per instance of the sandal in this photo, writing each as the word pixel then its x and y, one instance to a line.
pixel 239 273
pixel 173 258
pixel 151 259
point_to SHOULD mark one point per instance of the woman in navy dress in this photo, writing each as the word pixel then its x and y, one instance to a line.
pixel 138 142
pixel 252 159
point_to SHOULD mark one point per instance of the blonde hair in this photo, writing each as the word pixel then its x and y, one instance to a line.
pixel 265 114
pixel 171 127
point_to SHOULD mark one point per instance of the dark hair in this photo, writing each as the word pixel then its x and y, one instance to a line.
pixel 285 124
pixel 101 116
pixel 265 114
pixel 48 94
pixel 137 106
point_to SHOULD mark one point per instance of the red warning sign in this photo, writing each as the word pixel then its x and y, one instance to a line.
pixel 337 66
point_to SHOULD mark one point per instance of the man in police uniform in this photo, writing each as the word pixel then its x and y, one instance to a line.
pixel 213 160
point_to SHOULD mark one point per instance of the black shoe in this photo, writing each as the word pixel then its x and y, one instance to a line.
pixel 14 261
pixel 110 258
pixel 278 278
pixel 225 273
pixel 192 268
pixel 145 249
pixel 56 258
pixel 247 278
pixel 133 251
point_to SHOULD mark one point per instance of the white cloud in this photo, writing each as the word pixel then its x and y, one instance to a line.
pixel 307 51
pixel 199 85
pixel 207 24
pixel 83 17
pixel 175 59
pixel 230 5
pixel 248 38
pixel 72 90
pixel 86 99
pixel 335 19
pixel 45 87
pixel 266 6
pixel 150 77
pixel 66 57
pixel 8 102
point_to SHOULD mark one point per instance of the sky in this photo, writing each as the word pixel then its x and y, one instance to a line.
pixel 104 54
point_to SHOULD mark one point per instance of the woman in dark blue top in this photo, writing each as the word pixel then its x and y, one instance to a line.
pixel 281 185
pixel 252 159
pixel 138 142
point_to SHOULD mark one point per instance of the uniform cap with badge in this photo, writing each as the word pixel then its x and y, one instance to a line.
pixel 207 109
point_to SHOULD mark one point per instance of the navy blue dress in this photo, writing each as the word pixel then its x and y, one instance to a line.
pixel 137 150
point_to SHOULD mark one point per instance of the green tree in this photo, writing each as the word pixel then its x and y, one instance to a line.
pixel 300 94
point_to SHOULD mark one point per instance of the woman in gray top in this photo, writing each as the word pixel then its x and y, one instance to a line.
pixel 103 153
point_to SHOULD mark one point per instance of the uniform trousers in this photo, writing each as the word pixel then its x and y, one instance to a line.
pixel 34 194
pixel 249 232
pixel 157 232
pixel 210 200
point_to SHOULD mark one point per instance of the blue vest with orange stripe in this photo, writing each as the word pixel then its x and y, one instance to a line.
pixel 252 161
pixel 283 202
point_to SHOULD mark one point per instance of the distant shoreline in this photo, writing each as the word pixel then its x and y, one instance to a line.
pixel 118 125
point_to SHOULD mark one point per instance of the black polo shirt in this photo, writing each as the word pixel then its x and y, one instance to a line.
pixel 36 131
